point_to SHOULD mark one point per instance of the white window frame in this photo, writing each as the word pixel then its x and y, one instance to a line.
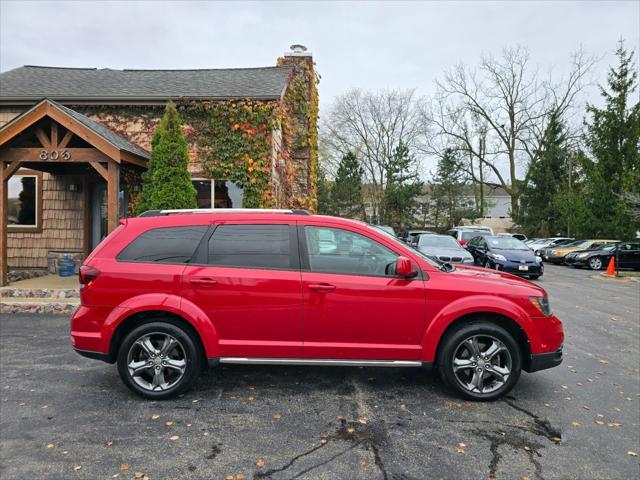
pixel 37 227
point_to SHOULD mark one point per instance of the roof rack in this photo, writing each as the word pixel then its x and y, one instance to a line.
pixel 158 213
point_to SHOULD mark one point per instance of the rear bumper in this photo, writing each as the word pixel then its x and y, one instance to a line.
pixel 542 361
pixel 95 355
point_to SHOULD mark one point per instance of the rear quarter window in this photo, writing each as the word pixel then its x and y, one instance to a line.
pixel 164 245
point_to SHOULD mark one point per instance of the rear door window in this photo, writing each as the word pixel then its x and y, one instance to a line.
pixel 251 246
pixel 164 245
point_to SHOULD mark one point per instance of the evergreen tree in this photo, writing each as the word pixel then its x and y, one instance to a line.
pixel 325 204
pixel 448 192
pixel 346 192
pixel 538 215
pixel 399 202
pixel 613 138
pixel 167 182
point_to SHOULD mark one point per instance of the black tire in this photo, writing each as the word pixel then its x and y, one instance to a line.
pixel 487 264
pixel 454 340
pixel 534 277
pixel 187 347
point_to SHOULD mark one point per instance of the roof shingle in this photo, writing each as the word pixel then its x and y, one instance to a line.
pixel 64 84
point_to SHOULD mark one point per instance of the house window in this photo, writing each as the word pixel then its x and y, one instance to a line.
pixel 24 208
pixel 218 193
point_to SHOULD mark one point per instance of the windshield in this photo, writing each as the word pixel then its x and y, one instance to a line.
pixel 396 240
pixel 442 241
pixel 506 243
pixel 607 246
pixel 471 234
pixel 580 244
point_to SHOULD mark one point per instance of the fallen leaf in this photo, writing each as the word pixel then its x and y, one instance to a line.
pixel 527 448
pixel 228 477
pixel 251 399
pixel 603 361
pixel 233 397
pixel 138 475
pixel 64 452
pixel 556 439
pixel 77 467
pixel 363 421
pixel 125 466
pixel 632 454
pixel 585 407
pixel 50 445
pixel 351 429
pixel 44 406
pixel 260 462
pixel 575 424
pixel 599 422
pixel 50 417
pixel 173 438
pixel 109 444
pixel 239 476
pixel 614 424
pixel 168 424
pixel 194 401
pixel 155 417
pixel 277 416
pixel 206 434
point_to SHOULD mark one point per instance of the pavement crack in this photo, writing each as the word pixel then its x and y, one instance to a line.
pixel 542 427
pixel 269 473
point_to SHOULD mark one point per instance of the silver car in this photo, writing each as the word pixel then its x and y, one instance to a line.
pixel 443 248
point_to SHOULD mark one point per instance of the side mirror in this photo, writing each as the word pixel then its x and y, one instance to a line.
pixel 404 268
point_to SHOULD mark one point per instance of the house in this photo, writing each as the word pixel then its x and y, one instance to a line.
pixel 75 141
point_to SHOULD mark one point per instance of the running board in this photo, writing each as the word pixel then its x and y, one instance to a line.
pixel 321 362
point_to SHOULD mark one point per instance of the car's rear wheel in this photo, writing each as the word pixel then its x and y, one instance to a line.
pixel 158 360
pixel 480 361
pixel 595 263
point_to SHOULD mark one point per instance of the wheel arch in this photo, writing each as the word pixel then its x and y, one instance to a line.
pixel 498 319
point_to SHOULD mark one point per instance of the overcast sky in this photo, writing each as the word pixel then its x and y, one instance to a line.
pixel 368 45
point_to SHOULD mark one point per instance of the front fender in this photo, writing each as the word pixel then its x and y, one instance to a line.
pixel 166 303
pixel 475 304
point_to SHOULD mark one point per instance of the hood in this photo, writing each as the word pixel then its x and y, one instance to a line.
pixel 445 252
pixel 516 255
pixel 495 277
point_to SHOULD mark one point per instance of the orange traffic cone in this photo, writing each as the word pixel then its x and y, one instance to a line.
pixel 611 269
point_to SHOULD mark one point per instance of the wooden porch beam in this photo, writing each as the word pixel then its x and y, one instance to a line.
pixel 54 135
pixel 113 173
pixel 44 140
pixel 14 128
pixel 11 169
pixel 104 172
pixel 3 225
pixel 66 139
pixel 53 156
pixel 133 159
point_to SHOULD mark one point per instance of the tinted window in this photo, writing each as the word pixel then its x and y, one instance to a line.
pixel 164 245
pixel 251 246
pixel 333 250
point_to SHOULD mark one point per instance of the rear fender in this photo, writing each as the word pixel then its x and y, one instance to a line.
pixel 476 304
pixel 167 303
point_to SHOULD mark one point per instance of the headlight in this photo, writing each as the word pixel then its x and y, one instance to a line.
pixel 538 259
pixel 497 256
pixel 542 305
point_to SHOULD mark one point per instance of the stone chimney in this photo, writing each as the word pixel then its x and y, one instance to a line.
pixel 301 104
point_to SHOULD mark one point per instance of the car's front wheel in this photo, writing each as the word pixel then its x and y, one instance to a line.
pixel 159 359
pixel 595 263
pixel 480 361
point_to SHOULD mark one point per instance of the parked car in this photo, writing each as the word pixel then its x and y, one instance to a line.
pixel 172 292
pixel 386 228
pixel 464 234
pixel 507 254
pixel 443 248
pixel 628 255
pixel 556 255
pixel 520 236
pixel 548 243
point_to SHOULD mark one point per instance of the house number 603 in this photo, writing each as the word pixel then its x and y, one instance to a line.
pixel 55 155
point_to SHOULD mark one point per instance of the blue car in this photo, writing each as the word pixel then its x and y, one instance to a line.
pixel 506 254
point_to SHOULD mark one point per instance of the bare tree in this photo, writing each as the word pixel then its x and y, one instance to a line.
pixel 498 113
pixel 371 125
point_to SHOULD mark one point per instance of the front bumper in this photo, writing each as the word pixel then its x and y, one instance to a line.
pixel 514 268
pixel 542 361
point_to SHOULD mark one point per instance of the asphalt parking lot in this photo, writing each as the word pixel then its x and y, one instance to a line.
pixel 64 416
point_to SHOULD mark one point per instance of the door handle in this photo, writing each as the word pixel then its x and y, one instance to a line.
pixel 322 287
pixel 203 281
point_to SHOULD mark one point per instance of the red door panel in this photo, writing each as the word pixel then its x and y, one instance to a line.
pixel 257 313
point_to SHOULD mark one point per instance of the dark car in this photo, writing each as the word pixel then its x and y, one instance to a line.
pixel 507 254
pixel 598 258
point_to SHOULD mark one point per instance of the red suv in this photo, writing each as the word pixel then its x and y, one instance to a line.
pixel 170 292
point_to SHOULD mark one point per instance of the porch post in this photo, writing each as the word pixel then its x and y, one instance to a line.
pixel 3 225
pixel 113 187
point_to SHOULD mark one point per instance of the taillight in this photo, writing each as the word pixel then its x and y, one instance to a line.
pixel 87 275
pixel 462 242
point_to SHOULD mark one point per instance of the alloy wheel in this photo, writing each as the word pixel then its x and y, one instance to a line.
pixel 595 263
pixel 482 364
pixel 156 361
